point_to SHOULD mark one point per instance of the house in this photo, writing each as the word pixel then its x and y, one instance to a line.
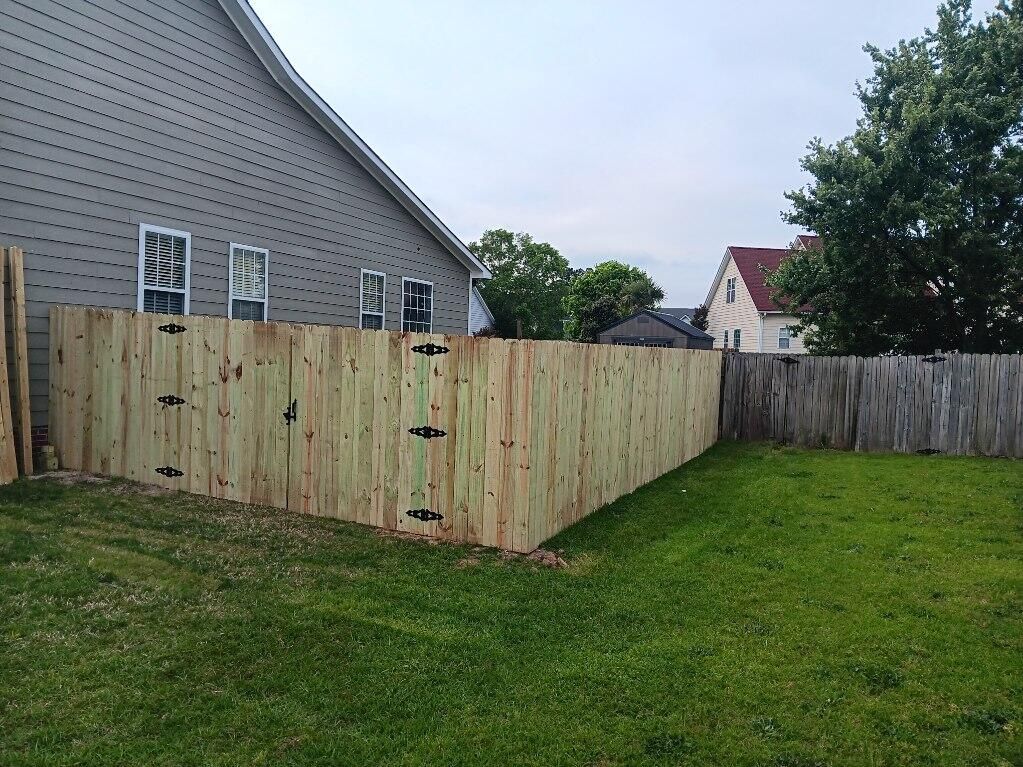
pixel 165 156
pixel 650 327
pixel 480 315
pixel 685 314
pixel 740 313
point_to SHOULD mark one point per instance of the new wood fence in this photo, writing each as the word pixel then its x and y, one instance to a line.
pixel 964 404
pixel 510 441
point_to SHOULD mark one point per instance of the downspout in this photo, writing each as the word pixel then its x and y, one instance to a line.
pixel 760 333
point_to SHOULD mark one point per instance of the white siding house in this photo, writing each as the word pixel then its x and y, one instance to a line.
pixel 480 315
pixel 740 313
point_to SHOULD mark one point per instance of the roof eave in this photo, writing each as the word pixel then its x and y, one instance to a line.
pixel 264 46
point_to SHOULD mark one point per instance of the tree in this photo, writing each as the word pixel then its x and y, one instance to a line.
pixel 920 210
pixel 700 317
pixel 530 283
pixel 605 293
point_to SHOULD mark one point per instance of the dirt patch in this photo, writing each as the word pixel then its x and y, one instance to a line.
pixel 544 557
pixel 466 562
pixel 67 477
pixel 403 536
pixel 137 488
pixel 548 558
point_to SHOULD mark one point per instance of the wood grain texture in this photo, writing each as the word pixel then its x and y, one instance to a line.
pixel 20 403
pixel 8 455
pixel 963 404
pixel 538 434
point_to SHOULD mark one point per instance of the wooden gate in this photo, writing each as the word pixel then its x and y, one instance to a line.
pixel 488 441
pixel 197 408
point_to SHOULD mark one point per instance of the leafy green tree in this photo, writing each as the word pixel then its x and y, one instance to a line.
pixel 700 317
pixel 530 283
pixel 921 208
pixel 607 292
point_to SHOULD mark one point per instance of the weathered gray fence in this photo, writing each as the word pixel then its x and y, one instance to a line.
pixel 964 404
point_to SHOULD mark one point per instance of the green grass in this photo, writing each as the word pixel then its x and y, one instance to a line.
pixel 759 606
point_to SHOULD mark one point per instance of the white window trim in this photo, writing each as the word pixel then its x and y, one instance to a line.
pixel 265 300
pixel 787 338
pixel 737 344
pixel 143 228
pixel 403 307
pixel 731 287
pixel 383 298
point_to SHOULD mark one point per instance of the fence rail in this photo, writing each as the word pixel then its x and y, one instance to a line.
pixel 964 404
pixel 510 441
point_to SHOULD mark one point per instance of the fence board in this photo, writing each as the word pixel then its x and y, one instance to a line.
pixel 963 404
pixel 537 434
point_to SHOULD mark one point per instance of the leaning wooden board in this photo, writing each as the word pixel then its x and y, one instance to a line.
pixel 502 443
pixel 8 456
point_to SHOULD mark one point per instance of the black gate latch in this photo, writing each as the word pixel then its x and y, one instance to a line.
pixel 424 515
pixel 430 349
pixel 291 412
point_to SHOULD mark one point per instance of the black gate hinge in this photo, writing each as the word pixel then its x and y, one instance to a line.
pixel 427 432
pixel 928 451
pixel 291 412
pixel 170 399
pixel 934 358
pixel 788 360
pixel 170 472
pixel 172 328
pixel 424 515
pixel 430 349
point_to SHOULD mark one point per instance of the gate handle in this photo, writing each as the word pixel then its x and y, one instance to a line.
pixel 291 413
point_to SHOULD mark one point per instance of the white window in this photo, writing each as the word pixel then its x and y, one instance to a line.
pixel 726 338
pixel 164 259
pixel 730 290
pixel 783 337
pixel 371 300
pixel 416 306
pixel 736 339
pixel 248 283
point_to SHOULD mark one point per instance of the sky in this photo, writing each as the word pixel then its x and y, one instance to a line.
pixel 655 133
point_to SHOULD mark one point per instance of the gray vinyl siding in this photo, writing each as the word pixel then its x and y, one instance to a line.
pixel 157 111
pixel 644 327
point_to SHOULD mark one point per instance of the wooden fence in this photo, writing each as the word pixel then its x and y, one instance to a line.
pixel 964 404
pixel 512 441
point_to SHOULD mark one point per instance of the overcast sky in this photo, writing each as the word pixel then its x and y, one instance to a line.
pixel 651 132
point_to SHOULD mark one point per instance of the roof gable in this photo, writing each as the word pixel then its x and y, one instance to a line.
pixel 670 320
pixel 751 263
pixel 277 64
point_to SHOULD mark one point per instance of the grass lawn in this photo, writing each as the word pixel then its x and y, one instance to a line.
pixel 759 606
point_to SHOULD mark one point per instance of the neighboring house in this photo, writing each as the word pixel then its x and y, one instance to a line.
pixel 648 327
pixel 165 156
pixel 480 315
pixel 740 313
pixel 684 314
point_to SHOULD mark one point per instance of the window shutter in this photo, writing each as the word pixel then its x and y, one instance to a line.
pixel 163 270
pixel 372 292
pixel 249 274
pixel 373 287
pixel 164 261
